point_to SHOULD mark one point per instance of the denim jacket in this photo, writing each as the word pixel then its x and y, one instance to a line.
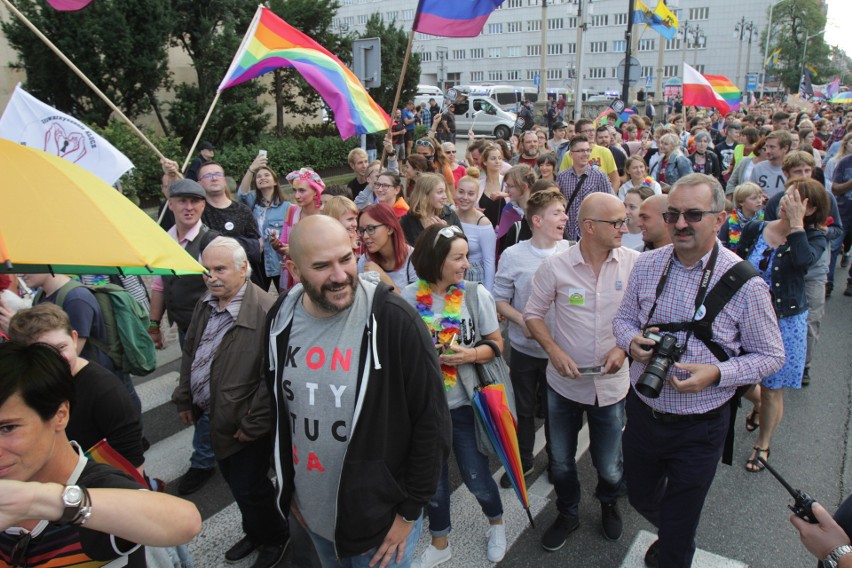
pixel 268 219
pixel 677 167
pixel 801 251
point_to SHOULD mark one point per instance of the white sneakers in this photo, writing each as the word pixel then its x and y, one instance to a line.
pixel 432 557
pixel 496 542
pixel 496 550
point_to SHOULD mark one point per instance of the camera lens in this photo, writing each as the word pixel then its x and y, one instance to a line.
pixel 650 382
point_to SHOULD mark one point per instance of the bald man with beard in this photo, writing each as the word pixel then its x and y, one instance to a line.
pixel 655 232
pixel 586 374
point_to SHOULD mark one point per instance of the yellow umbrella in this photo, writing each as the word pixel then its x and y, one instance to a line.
pixel 57 217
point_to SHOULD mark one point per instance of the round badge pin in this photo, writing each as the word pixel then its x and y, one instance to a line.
pixel 229 226
pixel 701 312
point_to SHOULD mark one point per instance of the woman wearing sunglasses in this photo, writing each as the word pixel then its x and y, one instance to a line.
pixel 384 247
pixel 437 160
pixel 782 251
pixel 428 206
pixel 440 259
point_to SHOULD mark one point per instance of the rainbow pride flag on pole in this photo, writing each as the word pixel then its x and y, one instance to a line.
pixel 729 92
pixel 697 91
pixel 449 18
pixel 271 43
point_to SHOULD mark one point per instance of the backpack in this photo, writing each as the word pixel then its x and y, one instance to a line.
pixel 128 344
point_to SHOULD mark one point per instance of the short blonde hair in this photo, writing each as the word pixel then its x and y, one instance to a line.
pixel 744 191
pixel 419 200
pixel 338 205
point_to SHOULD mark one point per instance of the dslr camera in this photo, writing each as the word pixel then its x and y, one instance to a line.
pixel 666 352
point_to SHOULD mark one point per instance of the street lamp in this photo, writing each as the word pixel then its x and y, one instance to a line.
pixel 766 47
pixel 739 30
pixel 805 52
pixel 699 40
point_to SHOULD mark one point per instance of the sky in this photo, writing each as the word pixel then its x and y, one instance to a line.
pixel 839 12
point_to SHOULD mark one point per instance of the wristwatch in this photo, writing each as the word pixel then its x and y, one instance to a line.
pixel 77 505
pixel 834 556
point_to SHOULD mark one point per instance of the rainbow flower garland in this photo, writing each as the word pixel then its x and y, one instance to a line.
pixel 735 227
pixel 446 328
pixel 648 182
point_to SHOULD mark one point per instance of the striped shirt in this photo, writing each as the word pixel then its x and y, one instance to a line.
pixel 746 325
pixel 596 181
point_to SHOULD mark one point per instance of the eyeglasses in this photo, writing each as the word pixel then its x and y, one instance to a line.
pixel 370 229
pixel 449 151
pixel 21 549
pixel 425 143
pixel 690 216
pixel 584 151
pixel 617 224
pixel 216 175
pixel 765 259
pixel 383 186
pixel 448 232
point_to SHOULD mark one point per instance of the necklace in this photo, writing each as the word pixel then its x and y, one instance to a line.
pixel 444 328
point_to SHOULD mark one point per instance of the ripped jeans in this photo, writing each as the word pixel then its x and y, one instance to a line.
pixel 475 473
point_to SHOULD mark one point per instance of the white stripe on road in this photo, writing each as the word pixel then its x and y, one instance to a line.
pixel 168 459
pixel 157 391
pixel 636 555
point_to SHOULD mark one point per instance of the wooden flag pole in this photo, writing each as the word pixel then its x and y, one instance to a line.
pixel 200 131
pixel 81 75
pixel 399 86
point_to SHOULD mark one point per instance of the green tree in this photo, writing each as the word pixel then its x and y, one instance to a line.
pixel 792 22
pixel 293 95
pixel 120 46
pixel 210 33
pixel 394 43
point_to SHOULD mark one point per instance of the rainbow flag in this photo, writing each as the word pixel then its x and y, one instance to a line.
pixel 103 452
pixel 729 92
pixel 697 91
pixel 271 43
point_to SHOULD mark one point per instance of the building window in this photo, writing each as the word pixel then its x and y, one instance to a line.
pixel 408 14
pixel 532 2
pixel 671 70
pixel 458 54
pixel 647 71
pixel 533 25
pixel 513 27
pixel 514 3
pixel 513 51
pixel 531 74
pixel 477 53
pixel 495 52
pixel 349 21
pixel 598 47
pixel 572 22
pixel 554 73
pixel 425 56
pixel 513 75
pixel 534 49
pixel 477 76
pixel 495 28
pixel 572 73
pixel 673 44
pixel 699 13
pixel 362 19
pixel 700 68
pixel 619 45
pixel 495 75
pixel 391 16
pixel 647 44
pixel 597 72
pixel 555 23
pixel 572 48
pixel 554 49
pixel 620 19
pixel 599 20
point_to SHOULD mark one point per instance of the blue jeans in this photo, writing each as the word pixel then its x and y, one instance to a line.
pixel 605 426
pixel 202 445
pixel 473 466
pixel 328 557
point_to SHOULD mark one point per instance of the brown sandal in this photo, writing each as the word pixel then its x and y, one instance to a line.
pixel 751 423
pixel 753 465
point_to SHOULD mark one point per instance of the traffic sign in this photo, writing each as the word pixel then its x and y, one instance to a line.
pixel 634 73
pixel 751 81
pixel 367 61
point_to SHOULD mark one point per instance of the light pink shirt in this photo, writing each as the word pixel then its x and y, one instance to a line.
pixel 157 281
pixel 585 305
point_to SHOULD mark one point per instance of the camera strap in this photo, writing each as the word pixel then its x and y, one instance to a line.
pixel 699 297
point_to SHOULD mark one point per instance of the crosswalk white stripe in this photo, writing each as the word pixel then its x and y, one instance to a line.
pixel 635 557
pixel 168 459
pixel 157 392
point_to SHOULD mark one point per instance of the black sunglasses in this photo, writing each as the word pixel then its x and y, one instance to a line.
pixel 691 215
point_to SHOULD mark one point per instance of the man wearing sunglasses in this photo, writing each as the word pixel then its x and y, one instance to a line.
pixel 672 444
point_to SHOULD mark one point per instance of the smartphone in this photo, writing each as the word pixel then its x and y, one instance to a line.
pixel 588 371
pixel 261 153
pixel 271 233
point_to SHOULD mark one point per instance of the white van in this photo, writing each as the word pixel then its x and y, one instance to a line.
pixel 426 92
pixel 484 116
pixel 508 97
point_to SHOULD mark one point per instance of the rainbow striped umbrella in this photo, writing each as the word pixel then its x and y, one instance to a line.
pixel 842 98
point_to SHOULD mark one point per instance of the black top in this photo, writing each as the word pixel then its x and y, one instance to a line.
pixel 492 208
pixel 412 227
pixel 237 221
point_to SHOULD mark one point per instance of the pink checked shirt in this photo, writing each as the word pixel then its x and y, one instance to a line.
pixel 584 306
pixel 746 324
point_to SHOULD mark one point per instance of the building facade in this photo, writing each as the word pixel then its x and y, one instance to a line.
pixel 509 48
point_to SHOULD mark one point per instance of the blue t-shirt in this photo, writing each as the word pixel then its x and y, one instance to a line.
pixel 406 116
pixel 842 174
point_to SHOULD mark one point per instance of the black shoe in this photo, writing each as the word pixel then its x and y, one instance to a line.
pixel 806 377
pixel 554 538
pixel 611 521
pixel 828 289
pixel 243 548
pixel 848 290
pixel 194 479
pixel 506 483
pixel 652 557
pixel 270 555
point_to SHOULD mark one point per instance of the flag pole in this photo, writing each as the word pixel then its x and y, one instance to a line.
pixel 201 131
pixel 81 75
pixel 399 85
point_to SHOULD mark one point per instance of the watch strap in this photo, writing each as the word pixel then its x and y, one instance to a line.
pixel 837 553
